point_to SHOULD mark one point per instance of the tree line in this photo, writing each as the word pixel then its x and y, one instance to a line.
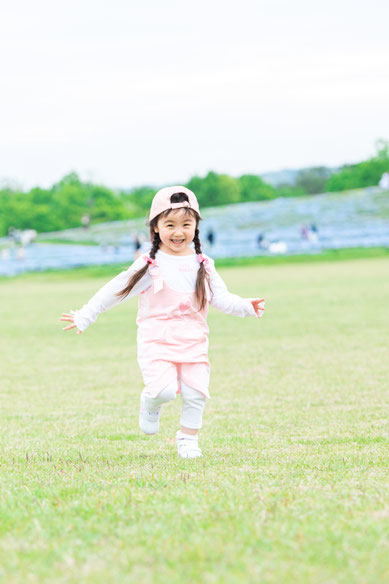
pixel 65 204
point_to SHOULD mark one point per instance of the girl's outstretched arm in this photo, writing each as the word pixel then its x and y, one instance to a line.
pixel 233 304
pixel 106 298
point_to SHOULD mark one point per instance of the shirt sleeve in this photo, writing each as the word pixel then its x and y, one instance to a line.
pixel 106 297
pixel 223 300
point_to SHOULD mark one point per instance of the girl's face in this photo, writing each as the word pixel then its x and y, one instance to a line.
pixel 176 232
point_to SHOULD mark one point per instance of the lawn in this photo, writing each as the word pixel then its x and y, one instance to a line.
pixel 293 486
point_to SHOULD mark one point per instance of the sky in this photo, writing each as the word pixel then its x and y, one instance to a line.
pixel 130 93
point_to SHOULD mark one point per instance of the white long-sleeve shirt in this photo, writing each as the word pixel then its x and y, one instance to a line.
pixel 179 273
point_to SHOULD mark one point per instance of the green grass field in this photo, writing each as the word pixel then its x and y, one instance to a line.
pixel 293 486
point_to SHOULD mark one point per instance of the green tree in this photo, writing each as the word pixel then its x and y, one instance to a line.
pixel 228 190
pixel 68 204
pixel 253 188
pixel 215 189
pixel 363 174
pixel 207 189
pixel 139 198
pixel 104 205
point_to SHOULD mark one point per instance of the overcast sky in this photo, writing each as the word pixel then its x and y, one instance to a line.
pixel 128 93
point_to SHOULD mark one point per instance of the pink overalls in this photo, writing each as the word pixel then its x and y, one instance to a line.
pixel 172 337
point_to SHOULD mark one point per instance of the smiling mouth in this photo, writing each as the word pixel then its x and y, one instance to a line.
pixel 178 241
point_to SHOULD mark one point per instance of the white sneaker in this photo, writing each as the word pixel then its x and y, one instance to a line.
pixel 148 420
pixel 188 446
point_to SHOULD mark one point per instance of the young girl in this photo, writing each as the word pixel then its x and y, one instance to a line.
pixel 175 284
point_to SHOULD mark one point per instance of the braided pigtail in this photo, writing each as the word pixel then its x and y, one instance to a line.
pixel 202 275
pixel 156 242
pixel 140 273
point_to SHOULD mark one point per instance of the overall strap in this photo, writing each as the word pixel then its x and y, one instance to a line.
pixel 155 273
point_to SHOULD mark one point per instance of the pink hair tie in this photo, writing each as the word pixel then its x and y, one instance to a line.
pixel 201 259
pixel 149 260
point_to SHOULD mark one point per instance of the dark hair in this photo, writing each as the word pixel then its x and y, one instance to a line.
pixel 202 276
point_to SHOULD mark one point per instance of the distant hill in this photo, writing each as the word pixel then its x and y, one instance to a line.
pixel 287 176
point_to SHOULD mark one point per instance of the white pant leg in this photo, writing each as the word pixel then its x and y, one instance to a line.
pixel 167 394
pixel 193 403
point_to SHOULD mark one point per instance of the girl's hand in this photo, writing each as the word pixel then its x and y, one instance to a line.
pixel 70 318
pixel 259 306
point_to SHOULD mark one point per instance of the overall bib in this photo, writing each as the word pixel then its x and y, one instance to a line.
pixel 172 337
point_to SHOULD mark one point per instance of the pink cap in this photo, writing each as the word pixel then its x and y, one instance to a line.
pixel 161 201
